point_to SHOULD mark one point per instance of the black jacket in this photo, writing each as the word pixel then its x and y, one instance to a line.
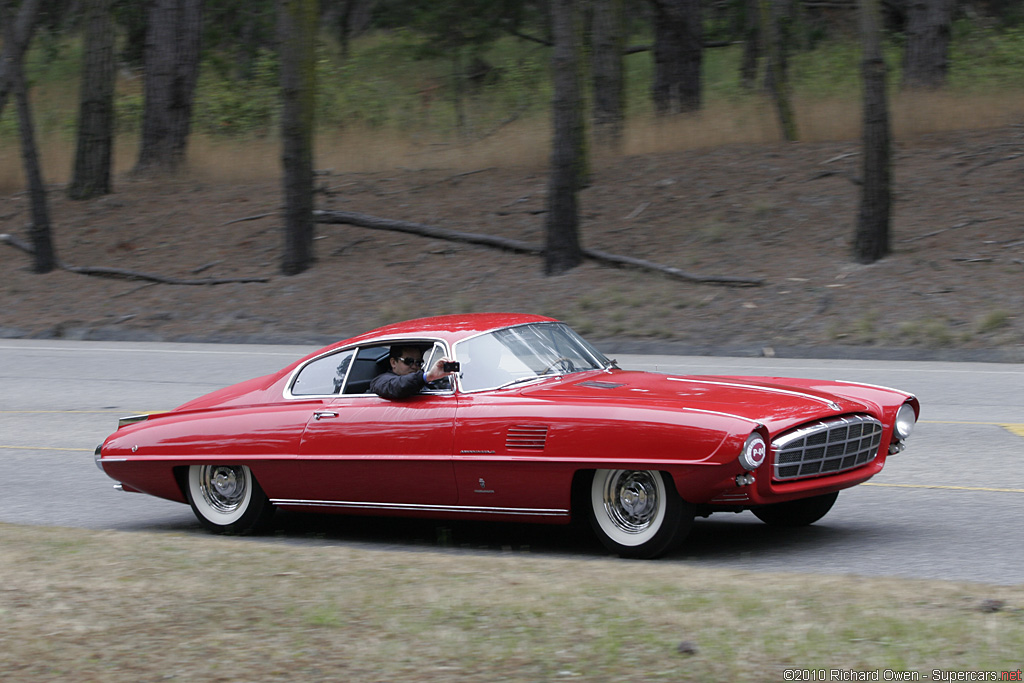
pixel 390 385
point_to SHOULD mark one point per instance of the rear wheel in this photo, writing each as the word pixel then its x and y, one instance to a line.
pixel 227 499
pixel 637 513
pixel 796 512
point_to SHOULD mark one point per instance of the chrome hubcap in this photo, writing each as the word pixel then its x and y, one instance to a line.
pixel 631 500
pixel 223 487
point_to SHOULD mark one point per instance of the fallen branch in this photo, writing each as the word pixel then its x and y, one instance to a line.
pixel 450 178
pixel 121 274
pixel 423 230
pixel 840 157
pixel 676 273
pixel 990 162
pixel 365 221
pixel 637 211
pixel 248 218
pixel 15 242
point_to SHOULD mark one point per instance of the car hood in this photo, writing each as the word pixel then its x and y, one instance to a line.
pixel 772 402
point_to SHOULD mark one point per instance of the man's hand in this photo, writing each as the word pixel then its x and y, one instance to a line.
pixel 436 371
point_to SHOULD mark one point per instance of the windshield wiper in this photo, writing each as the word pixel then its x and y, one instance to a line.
pixel 519 380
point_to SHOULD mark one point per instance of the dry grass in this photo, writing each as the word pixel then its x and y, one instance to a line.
pixel 526 144
pixel 107 606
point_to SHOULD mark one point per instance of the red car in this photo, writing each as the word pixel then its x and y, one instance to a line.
pixel 538 426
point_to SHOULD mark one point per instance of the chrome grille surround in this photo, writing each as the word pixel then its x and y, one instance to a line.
pixel 826 447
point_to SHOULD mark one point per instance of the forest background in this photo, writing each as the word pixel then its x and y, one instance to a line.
pixel 412 126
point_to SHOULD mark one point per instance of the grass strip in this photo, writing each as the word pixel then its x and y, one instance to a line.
pixel 117 606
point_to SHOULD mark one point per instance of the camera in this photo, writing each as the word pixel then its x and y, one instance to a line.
pixel 451 366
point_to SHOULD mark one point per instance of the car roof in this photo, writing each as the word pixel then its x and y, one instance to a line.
pixel 449 328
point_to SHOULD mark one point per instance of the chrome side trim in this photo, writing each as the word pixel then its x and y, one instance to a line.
pixel 131 419
pixel 875 386
pixel 383 341
pixel 415 507
pixel 753 387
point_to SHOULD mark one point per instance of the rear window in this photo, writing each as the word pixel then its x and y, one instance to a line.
pixel 323 376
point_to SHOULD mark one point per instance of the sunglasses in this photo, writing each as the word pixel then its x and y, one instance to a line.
pixel 412 362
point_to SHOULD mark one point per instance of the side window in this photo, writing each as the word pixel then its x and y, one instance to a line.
pixel 323 376
pixel 371 361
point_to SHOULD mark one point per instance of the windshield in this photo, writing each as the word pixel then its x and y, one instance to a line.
pixel 525 352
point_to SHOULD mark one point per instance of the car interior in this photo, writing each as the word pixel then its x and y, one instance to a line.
pixel 373 360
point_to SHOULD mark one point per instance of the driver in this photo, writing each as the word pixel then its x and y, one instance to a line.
pixel 406 377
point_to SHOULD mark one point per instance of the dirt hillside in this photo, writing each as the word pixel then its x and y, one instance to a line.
pixel 783 214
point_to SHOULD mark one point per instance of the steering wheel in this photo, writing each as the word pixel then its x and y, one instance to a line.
pixel 561 359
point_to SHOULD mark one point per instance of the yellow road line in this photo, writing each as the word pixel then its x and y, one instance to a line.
pixel 945 488
pixel 30 412
pixel 970 422
pixel 1013 428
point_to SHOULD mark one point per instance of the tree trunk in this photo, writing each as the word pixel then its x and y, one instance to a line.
pixel 926 56
pixel 678 51
pixel 17 35
pixel 42 241
pixel 458 91
pixel 568 159
pixel 92 169
pixel 774 29
pixel 752 46
pixel 607 43
pixel 297 28
pixel 872 238
pixel 172 69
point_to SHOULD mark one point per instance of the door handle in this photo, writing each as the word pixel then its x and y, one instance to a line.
pixel 320 414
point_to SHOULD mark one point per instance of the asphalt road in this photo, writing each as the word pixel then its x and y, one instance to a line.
pixel 950 507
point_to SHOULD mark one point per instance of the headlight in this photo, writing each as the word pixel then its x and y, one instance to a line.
pixel 905 421
pixel 754 452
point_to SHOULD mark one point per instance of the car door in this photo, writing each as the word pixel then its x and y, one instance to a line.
pixel 364 451
pixel 503 455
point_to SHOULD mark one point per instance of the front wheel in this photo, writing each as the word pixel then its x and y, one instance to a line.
pixel 227 499
pixel 796 512
pixel 637 513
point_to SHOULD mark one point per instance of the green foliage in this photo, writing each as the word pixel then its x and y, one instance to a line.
pixel 984 58
pixel 994 321
pixel 402 78
pixel 236 33
pixel 448 27
pixel 227 106
pixel 128 113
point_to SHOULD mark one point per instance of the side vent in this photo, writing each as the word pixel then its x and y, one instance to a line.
pixel 527 437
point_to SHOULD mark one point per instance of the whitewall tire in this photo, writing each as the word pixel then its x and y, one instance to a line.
pixel 637 513
pixel 227 499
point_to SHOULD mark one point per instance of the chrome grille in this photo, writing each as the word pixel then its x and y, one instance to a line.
pixel 826 447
